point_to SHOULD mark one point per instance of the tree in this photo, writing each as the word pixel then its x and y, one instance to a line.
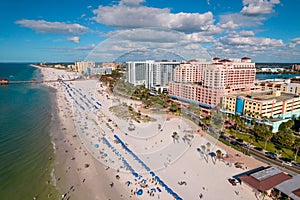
pixel 219 154
pixel 296 146
pixel 238 121
pixel 203 148
pixel 253 122
pixel 208 145
pixel 286 125
pixel 285 137
pixel 217 119
pixel 174 107
pixel 265 133
pixel 175 136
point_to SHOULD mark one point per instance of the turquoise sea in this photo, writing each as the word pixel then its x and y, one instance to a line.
pixel 26 152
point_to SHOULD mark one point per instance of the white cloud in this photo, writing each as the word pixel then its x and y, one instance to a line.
pixel 120 42
pixel 247 33
pixel 242 20
pixel 43 26
pixel 73 49
pixel 197 38
pixel 138 16
pixel 244 43
pixel 229 25
pixel 74 39
pixel 131 2
pixel 146 35
pixel 294 42
pixel 251 41
pixel 258 7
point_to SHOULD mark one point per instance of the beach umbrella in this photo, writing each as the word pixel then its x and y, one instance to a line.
pixel 96 145
pixel 152 173
pixel 212 154
pixel 140 192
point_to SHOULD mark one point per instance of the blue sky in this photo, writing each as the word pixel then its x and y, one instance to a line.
pixel 64 30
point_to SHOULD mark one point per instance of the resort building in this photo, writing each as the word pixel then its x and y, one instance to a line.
pixel 283 85
pixel 274 107
pixel 155 75
pixel 82 66
pixel 204 83
pixel 111 65
pixel 99 71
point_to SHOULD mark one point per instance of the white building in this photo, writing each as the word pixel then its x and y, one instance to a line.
pixel 99 71
pixel 155 75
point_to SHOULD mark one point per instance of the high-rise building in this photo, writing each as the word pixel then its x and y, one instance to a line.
pixel 156 75
pixel 205 83
pixel 82 66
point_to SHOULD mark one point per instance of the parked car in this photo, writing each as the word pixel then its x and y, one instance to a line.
pixel 234 143
pixel 296 164
pixel 258 148
pixel 239 140
pixel 271 155
pixel 233 181
pixel 286 163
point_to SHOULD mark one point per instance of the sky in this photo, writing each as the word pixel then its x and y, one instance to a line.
pixel 101 30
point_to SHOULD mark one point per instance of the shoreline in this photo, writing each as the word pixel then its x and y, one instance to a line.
pixel 71 178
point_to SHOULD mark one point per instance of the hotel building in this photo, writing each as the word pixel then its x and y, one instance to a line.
pixel 204 83
pixel 277 106
pixel 82 66
pixel 283 85
pixel 155 75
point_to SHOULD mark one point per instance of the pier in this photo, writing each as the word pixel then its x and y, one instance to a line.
pixel 7 82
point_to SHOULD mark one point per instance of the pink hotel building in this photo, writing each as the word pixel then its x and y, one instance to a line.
pixel 204 83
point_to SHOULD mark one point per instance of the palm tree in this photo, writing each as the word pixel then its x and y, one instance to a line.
pixel 265 133
pixel 208 145
pixel 251 140
pixel 253 122
pixel 219 154
pixel 264 194
pixel 296 146
pixel 175 136
pixel 203 148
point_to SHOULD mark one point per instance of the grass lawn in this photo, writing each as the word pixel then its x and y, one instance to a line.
pixel 286 153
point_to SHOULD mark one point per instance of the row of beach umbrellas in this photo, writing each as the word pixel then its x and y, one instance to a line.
pixel 167 188
pixel 127 165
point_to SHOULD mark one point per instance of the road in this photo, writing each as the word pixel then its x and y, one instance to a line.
pixel 293 170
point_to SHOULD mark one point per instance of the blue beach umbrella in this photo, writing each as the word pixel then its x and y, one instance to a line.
pixel 96 145
pixel 140 192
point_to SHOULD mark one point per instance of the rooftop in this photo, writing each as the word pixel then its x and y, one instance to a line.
pixel 269 95
pixel 266 179
pixel 264 174
pixel 291 187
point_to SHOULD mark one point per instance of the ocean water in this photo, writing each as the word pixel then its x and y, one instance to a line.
pixel 26 152
pixel 275 76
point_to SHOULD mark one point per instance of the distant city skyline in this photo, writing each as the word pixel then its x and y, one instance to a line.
pixel 68 31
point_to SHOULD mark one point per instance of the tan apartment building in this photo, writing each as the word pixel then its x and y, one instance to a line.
pixel 270 104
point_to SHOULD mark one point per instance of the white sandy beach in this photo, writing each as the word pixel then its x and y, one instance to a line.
pixel 90 156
